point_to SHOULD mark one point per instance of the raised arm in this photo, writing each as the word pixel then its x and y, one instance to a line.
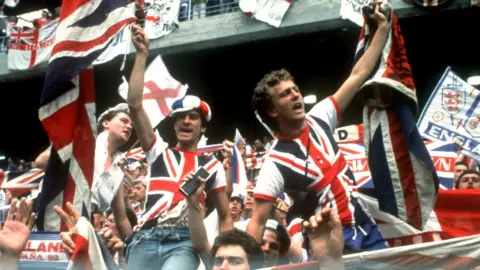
pixel 196 227
pixel 119 212
pixel 365 65
pixel 140 120
pixel 261 212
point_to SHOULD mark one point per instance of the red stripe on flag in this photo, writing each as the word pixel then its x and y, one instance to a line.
pixel 405 171
pixel 78 46
pixel 80 254
pixel 70 6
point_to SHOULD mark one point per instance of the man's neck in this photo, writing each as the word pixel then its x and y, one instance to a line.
pixel 246 214
pixel 192 147
pixel 292 128
pixel 111 146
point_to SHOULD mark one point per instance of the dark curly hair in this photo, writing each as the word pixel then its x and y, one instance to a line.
pixel 236 237
pixel 261 97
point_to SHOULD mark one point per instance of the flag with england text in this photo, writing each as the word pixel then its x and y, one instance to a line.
pixel 67 104
pixel 453 112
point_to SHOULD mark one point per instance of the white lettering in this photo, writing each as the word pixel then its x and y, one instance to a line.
pixel 434 131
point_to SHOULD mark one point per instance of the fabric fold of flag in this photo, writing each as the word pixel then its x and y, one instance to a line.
pixel 89 252
pixel 67 104
pixel 404 176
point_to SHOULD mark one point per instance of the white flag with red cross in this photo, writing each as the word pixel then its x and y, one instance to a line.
pixel 159 92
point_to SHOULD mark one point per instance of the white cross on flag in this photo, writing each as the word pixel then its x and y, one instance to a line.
pixel 159 93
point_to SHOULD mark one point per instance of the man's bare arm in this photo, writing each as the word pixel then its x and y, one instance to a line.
pixel 140 120
pixel 119 212
pixel 220 199
pixel 261 212
pixel 365 65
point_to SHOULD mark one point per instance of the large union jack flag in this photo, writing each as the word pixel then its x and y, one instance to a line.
pixel 403 172
pixel 67 106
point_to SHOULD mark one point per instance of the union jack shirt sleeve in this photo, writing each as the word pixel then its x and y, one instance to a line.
pixel 218 181
pixel 157 148
pixel 270 182
pixel 328 111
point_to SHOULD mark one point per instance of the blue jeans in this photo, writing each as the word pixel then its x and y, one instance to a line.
pixel 162 248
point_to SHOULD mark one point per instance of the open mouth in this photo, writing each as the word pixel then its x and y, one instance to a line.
pixel 297 106
pixel 127 133
pixel 185 130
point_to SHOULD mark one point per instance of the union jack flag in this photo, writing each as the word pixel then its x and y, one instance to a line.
pixel 20 182
pixel 67 106
pixel 403 172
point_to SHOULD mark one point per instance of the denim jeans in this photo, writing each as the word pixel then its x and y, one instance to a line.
pixel 167 248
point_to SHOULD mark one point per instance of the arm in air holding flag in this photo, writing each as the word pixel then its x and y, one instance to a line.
pixel 367 62
pixel 140 120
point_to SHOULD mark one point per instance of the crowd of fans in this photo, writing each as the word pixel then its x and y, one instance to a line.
pixel 220 224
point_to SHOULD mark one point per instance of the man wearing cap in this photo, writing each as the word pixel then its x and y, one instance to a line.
pixel 161 240
pixel 236 203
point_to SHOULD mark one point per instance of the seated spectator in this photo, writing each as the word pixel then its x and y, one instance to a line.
pixel 11 165
pixel 470 179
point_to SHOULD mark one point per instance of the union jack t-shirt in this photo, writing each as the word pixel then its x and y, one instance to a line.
pixel 165 204
pixel 327 173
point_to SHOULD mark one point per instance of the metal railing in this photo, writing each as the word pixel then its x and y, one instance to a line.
pixel 4 44
pixel 189 10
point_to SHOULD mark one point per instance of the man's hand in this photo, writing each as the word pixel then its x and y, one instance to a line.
pixel 377 17
pixel 194 199
pixel 70 218
pixel 325 233
pixel 228 148
pixel 15 232
pixel 140 40
pixel 112 242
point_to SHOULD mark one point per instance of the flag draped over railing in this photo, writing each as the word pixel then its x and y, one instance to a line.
pixel 403 172
pixel 67 106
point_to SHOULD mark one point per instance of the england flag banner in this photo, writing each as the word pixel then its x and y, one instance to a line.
pixel 159 93
pixel 29 47
pixel 452 113
pixel 162 17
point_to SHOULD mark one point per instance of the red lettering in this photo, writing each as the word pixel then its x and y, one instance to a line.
pixel 24 256
pixel 53 247
pixel 41 247
pixel 29 246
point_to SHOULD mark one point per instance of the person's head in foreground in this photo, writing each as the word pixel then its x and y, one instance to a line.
pixel 278 101
pixel 470 179
pixel 117 122
pixel 191 116
pixel 235 249
pixel 275 242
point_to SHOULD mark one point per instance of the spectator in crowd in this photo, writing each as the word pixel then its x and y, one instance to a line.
pixel 459 169
pixel 305 160
pixel 11 165
pixel 249 203
pixel 4 32
pixel 236 204
pixel 20 167
pixel 233 248
pixel 199 9
pixel 469 179
pixel 167 230
pixel 267 143
pixel 140 193
pixel 259 146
